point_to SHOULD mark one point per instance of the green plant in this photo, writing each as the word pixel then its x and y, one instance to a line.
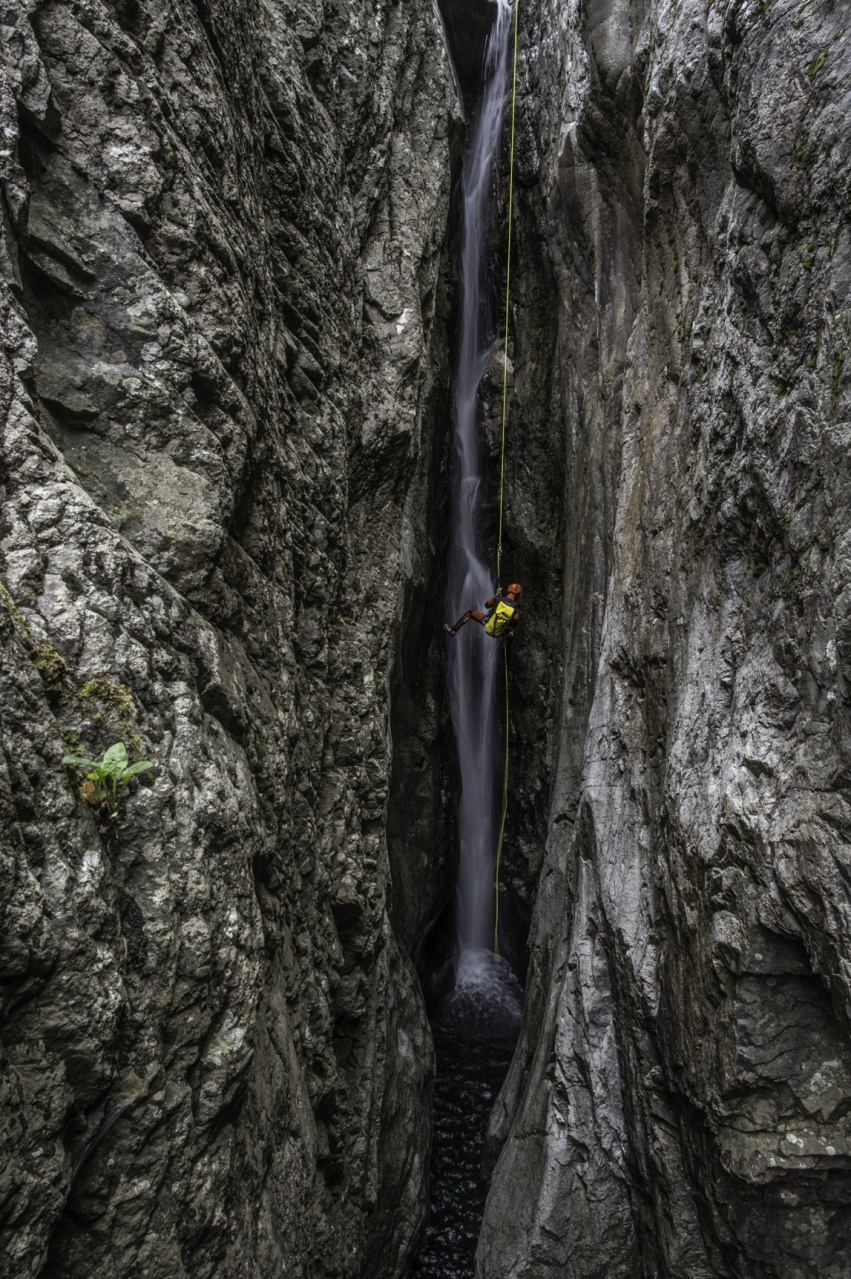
pixel 106 778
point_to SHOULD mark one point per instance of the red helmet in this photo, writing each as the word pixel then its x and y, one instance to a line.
pixel 515 589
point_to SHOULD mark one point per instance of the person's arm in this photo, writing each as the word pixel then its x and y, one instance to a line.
pixel 490 603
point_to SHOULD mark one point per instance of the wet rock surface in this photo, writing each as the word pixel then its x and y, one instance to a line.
pixel 223 309
pixel 680 495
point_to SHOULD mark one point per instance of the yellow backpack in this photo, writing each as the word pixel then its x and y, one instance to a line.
pixel 499 619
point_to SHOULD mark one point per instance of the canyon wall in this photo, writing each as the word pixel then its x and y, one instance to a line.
pixel 222 404
pixel 680 506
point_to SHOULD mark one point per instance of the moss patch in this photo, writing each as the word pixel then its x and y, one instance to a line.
pixel 110 701
pixel 49 663
pixel 51 666
pixel 17 621
pixel 71 742
pixel 113 704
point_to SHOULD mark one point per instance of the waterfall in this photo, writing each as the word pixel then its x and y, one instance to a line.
pixel 473 656
pixel 476 1026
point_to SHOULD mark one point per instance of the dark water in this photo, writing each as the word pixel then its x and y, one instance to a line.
pixel 475 1032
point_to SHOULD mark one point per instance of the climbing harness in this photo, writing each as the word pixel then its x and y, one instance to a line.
pixel 502 468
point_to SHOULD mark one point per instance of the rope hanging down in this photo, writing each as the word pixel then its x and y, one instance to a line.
pixel 502 470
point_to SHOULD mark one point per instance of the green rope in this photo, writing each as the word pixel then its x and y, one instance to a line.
pixel 504 809
pixel 502 469
pixel 507 295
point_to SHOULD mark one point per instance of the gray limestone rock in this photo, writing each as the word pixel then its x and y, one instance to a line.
pixel 680 504
pixel 223 306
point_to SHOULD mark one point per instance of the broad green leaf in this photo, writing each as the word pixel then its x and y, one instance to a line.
pixel 141 767
pixel 77 759
pixel 115 757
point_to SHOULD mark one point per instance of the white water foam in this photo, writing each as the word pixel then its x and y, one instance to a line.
pixel 483 978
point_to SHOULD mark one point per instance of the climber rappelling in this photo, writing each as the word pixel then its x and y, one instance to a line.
pixel 500 618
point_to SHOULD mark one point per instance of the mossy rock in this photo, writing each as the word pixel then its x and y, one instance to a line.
pixel 113 704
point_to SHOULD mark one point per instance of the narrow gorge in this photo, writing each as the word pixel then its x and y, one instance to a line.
pixel 229 301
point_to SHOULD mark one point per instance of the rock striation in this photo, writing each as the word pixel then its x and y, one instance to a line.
pixel 681 506
pixel 224 303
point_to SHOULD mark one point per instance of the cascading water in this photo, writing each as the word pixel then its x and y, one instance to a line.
pixel 473 656
pixel 476 1028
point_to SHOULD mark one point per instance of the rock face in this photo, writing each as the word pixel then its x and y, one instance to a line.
pixel 222 409
pixel 681 505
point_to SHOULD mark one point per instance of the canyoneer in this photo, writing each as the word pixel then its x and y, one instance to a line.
pixel 502 615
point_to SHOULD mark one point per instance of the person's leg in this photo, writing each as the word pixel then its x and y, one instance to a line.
pixel 472 613
pixel 462 621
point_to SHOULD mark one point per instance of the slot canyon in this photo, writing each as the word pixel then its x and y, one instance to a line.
pixel 234 241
